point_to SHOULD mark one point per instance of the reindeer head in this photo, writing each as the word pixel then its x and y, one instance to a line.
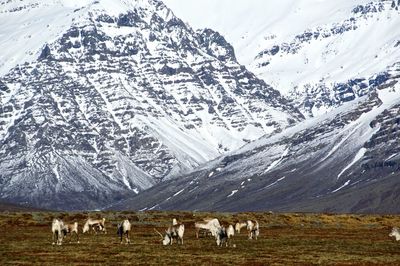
pixel 85 228
pixel 239 225
pixel 167 240
pixel 164 239
pixel 395 233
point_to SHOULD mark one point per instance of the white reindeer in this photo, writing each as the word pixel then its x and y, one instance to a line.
pixel 253 229
pixel 124 228
pixel 94 224
pixel 230 231
pixel 173 232
pixel 239 226
pixel 210 225
pixel 174 221
pixel 395 233
pixel 57 227
pixel 71 229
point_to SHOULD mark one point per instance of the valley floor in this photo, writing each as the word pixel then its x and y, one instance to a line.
pixel 286 239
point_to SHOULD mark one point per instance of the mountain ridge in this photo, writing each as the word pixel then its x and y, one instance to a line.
pixel 120 101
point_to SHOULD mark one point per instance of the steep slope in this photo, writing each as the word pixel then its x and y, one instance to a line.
pixel 344 161
pixel 318 53
pixel 116 96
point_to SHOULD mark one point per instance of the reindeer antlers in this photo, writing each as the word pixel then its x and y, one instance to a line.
pixel 158 233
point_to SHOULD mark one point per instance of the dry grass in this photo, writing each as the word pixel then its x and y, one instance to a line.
pixel 286 239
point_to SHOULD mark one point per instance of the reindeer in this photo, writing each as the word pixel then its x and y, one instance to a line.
pixel 239 226
pixel 210 225
pixel 56 227
pixel 174 221
pixel 94 225
pixel 253 228
pixel 124 228
pixel 224 235
pixel 230 231
pixel 395 233
pixel 221 236
pixel 70 229
pixel 174 231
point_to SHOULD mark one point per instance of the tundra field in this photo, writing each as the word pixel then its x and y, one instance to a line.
pixel 285 239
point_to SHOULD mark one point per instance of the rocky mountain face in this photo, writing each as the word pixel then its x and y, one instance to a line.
pixel 344 161
pixel 117 97
pixel 319 54
pixel 339 61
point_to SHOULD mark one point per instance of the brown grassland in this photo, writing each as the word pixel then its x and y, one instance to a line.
pixel 286 239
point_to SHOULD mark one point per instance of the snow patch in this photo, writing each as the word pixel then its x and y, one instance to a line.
pixel 277 162
pixel 179 192
pixel 274 183
pixel 232 193
pixel 358 156
pixel 344 185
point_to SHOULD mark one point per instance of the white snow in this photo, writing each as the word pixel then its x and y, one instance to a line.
pixel 358 156
pixel 179 192
pixel 255 25
pixel 30 24
pixel 232 193
pixel 344 185
pixel 278 161
pixel 274 183
pixel 57 174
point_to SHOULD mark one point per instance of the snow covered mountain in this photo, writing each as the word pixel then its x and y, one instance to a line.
pixel 318 53
pixel 345 161
pixel 103 99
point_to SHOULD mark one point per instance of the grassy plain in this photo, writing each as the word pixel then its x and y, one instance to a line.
pixel 286 239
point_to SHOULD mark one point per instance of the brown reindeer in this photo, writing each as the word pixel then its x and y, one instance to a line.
pixel 95 225
pixel 71 229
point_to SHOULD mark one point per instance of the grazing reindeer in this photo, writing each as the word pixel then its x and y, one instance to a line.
pixel 56 227
pixel 395 233
pixel 224 235
pixel 239 226
pixel 94 224
pixel 230 231
pixel 174 231
pixel 221 237
pixel 174 222
pixel 70 229
pixel 124 228
pixel 211 225
pixel 253 228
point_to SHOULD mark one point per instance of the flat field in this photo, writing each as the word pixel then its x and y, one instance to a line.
pixel 285 239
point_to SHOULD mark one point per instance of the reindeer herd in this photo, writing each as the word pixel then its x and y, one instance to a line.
pixel 223 233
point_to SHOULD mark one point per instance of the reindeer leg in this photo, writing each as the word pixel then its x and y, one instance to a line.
pixel 59 238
